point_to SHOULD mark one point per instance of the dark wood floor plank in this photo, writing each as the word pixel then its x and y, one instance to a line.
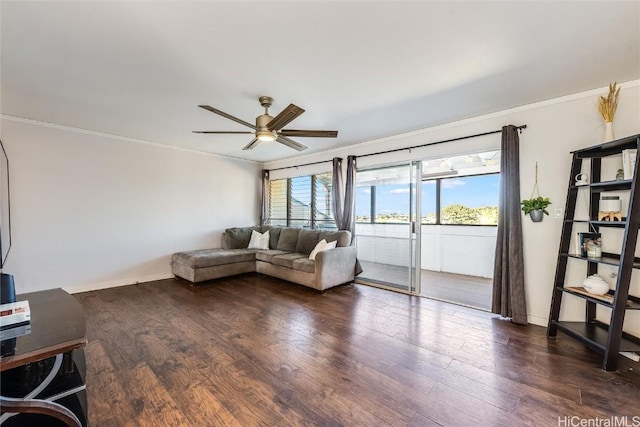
pixel 445 408
pixel 151 401
pixel 242 388
pixel 203 408
pixel 108 404
pixel 420 420
pixel 253 350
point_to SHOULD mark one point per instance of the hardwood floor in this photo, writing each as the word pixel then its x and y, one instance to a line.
pixel 253 350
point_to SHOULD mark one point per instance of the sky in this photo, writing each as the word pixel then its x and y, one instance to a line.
pixel 471 191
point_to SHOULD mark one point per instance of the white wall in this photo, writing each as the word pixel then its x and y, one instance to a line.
pixel 555 128
pixel 92 211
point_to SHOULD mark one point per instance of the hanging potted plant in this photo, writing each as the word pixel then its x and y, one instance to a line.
pixel 536 207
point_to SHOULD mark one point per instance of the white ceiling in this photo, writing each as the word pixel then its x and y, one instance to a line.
pixel 367 69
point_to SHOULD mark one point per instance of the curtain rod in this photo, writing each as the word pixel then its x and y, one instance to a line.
pixel 299 166
pixel 460 138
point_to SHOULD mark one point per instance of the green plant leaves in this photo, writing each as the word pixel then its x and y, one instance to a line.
pixel 534 204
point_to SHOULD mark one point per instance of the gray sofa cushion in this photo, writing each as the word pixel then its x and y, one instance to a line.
pixel 286 260
pixel 274 235
pixel 238 237
pixel 267 255
pixel 210 257
pixel 288 239
pixel 304 264
pixel 307 240
pixel 342 236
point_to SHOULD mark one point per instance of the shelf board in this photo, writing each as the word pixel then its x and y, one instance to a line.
pixel 606 299
pixel 593 335
pixel 615 224
pixel 608 148
pixel 604 259
pixel 597 187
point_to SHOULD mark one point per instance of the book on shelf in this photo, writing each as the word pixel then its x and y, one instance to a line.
pixel 589 244
pixel 629 162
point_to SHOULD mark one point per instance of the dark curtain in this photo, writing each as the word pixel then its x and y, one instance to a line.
pixel 508 274
pixel 264 213
pixel 336 189
pixel 348 220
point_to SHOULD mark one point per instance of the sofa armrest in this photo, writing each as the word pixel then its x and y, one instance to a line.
pixel 335 266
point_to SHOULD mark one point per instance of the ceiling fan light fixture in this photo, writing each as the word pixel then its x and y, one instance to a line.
pixel 265 135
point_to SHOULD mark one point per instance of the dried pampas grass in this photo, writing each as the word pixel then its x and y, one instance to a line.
pixel 607 106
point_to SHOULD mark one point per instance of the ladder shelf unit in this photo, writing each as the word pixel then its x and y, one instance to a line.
pixel 608 339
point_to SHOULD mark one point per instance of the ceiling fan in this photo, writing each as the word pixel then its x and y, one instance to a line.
pixel 269 128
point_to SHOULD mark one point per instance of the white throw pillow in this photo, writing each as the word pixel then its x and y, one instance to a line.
pixel 259 240
pixel 322 246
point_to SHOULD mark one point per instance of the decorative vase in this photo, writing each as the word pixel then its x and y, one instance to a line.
pixel 536 215
pixel 608 132
pixel 595 284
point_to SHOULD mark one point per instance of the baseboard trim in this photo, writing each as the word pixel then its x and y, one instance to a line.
pixel 538 320
pixel 115 283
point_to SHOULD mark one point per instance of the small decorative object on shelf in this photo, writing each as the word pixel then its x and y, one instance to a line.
pixel 610 209
pixel 620 175
pixel 582 179
pixel 594 251
pixel 629 162
pixel 595 284
pixel 587 241
pixel 536 207
pixel 607 107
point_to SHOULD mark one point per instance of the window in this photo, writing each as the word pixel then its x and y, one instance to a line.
pixel 462 189
pixel 278 202
pixel 393 203
pixel 364 205
pixel 382 195
pixel 303 202
pixel 429 199
pixel 469 200
pixel 465 200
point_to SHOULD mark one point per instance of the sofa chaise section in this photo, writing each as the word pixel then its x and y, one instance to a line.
pixel 207 264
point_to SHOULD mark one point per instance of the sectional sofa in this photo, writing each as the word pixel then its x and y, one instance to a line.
pixel 287 257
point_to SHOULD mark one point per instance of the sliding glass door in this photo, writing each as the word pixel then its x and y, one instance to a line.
pixel 388 226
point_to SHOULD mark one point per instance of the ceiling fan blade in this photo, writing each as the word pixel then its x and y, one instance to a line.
pixel 222 131
pixel 291 143
pixel 310 133
pixel 252 144
pixel 285 117
pixel 228 116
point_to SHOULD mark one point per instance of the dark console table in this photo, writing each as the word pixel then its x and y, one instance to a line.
pixel 43 370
